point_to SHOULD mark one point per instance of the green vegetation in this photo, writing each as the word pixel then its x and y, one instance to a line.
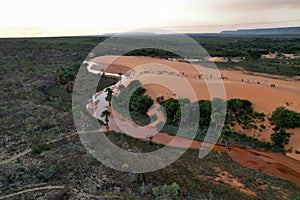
pixel 172 108
pixel 39 148
pixel 286 67
pixel 106 114
pixel 239 111
pixel 150 52
pixel 68 74
pixel 280 138
pixel 35 110
pixel 166 192
pixel 248 49
pixel 195 177
pixel 284 118
pixel 139 103
pixel 242 112
pixel 109 92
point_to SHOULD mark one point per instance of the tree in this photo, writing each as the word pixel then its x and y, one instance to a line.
pixel 240 106
pixel 217 119
pixel 109 92
pixel 246 122
pixel 284 118
pixel 120 75
pixel 205 113
pixel 106 114
pixel 67 76
pixel 242 110
pixel 172 108
pixel 139 103
pixel 280 138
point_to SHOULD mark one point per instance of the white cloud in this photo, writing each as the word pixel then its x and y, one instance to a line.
pixel 96 16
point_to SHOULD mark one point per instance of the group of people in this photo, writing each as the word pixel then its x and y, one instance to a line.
pixel 202 76
pixel 183 74
pixel 258 82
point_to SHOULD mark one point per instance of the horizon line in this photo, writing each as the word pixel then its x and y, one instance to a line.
pixel 145 32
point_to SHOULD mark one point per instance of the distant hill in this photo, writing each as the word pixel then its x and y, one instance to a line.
pixel 265 31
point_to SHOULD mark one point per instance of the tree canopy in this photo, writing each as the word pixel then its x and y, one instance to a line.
pixel 284 118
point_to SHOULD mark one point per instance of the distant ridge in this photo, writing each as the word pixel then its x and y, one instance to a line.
pixel 264 31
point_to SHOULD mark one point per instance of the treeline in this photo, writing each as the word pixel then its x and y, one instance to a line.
pixel 238 112
pixel 155 53
pixel 249 47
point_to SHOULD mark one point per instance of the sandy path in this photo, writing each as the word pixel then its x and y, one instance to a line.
pixel 32 190
pixel 27 151
pixel 4 162
pixel 269 163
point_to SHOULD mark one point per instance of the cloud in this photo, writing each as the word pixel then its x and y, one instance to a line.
pixel 256 5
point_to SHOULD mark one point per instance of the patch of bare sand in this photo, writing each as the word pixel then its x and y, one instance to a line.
pixel 294 144
pixel 164 91
pixel 229 179
pixel 270 163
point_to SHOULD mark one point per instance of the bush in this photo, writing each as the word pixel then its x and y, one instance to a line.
pixel 240 106
pixel 284 118
pixel 166 192
pixel 262 126
pixel 39 148
pixel 280 138
pixel 45 123
pixel 68 74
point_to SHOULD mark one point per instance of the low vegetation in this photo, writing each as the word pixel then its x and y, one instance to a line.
pixel 35 109
pixel 166 192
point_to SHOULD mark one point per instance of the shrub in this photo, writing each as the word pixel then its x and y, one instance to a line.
pixel 166 192
pixel 262 126
pixel 240 106
pixel 284 118
pixel 45 123
pixel 68 74
pixel 39 148
pixel 280 138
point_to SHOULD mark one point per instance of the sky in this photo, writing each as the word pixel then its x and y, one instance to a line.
pixel 31 18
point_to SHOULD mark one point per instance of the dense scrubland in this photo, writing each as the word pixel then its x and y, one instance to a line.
pixel 36 82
